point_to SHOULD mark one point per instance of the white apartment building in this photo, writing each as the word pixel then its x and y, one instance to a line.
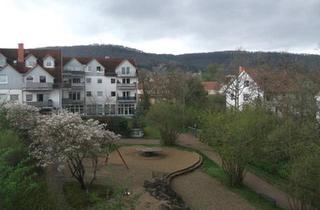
pixel 89 86
pixel 100 86
pixel 31 77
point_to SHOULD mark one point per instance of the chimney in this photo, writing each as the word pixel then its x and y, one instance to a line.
pixel 241 69
pixel 20 53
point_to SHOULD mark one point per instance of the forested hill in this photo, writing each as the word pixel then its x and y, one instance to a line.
pixel 199 61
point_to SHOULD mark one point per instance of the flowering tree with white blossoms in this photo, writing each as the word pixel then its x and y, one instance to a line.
pixel 66 139
pixel 21 117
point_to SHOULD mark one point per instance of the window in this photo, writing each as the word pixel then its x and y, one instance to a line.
pixel 89 94
pixel 246 97
pixel 88 68
pixel 99 69
pixel 42 79
pixel 128 81
pixel 128 70
pixel 75 96
pixel 232 96
pixel 88 80
pixel 29 79
pixel 99 93
pixel 3 97
pixel 3 79
pixel 49 63
pixel 40 97
pixel 29 97
pixel 123 70
pixel 113 81
pixel 246 83
pixel 100 109
pixel 113 93
pixel 76 80
pixel 14 97
pixel 99 81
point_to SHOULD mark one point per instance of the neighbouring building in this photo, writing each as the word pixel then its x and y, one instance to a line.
pixel 273 89
pixel 89 86
pixel 211 87
pixel 31 76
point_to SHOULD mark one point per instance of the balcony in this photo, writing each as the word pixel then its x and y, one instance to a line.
pixel 38 86
pixel 41 104
pixel 127 99
pixel 126 86
pixel 70 101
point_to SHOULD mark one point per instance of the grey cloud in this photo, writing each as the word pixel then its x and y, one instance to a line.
pixel 205 24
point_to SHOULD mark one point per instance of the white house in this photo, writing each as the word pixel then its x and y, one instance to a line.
pixel 242 90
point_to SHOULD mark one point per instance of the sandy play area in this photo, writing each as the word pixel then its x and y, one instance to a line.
pixel 142 168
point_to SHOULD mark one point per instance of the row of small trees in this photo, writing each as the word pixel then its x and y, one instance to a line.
pixel 284 147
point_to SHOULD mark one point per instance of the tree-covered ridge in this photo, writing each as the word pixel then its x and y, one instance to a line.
pixel 230 60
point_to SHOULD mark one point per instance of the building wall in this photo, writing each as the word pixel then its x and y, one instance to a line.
pixel 252 91
pixel 15 79
pixel 37 72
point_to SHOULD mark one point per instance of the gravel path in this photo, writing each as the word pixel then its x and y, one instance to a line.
pixel 251 180
pixel 202 192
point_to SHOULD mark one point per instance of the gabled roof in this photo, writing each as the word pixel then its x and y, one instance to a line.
pixel 40 54
pixel 110 64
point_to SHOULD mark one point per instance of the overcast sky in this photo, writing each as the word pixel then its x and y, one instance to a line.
pixel 164 26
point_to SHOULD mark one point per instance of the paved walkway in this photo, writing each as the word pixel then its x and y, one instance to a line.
pixel 202 192
pixel 251 180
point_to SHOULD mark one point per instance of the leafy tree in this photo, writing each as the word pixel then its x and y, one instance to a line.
pixel 214 72
pixel 195 95
pixel 168 119
pixel 304 181
pixel 234 135
pixel 66 139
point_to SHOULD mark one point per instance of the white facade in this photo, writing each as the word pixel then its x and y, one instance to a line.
pixel 242 90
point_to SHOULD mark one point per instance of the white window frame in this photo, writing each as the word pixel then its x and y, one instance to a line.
pixel 5 77
pixel 99 93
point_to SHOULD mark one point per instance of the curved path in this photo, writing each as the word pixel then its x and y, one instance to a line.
pixel 201 191
pixel 254 182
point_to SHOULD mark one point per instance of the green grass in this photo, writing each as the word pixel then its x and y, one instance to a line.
pixel 99 197
pixel 215 171
pixel 271 178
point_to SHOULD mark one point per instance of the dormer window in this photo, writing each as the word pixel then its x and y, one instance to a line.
pixel 31 61
pixel 48 62
pixel 99 69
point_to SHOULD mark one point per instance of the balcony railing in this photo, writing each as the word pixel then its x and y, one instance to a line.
pixel 38 86
pixel 40 104
pixel 70 101
pixel 126 86
pixel 127 99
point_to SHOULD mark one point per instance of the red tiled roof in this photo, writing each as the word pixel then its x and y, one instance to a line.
pixel 40 54
pixel 110 64
pixel 211 85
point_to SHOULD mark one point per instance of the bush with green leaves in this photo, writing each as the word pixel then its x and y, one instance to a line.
pixel 168 118
pixel 235 136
